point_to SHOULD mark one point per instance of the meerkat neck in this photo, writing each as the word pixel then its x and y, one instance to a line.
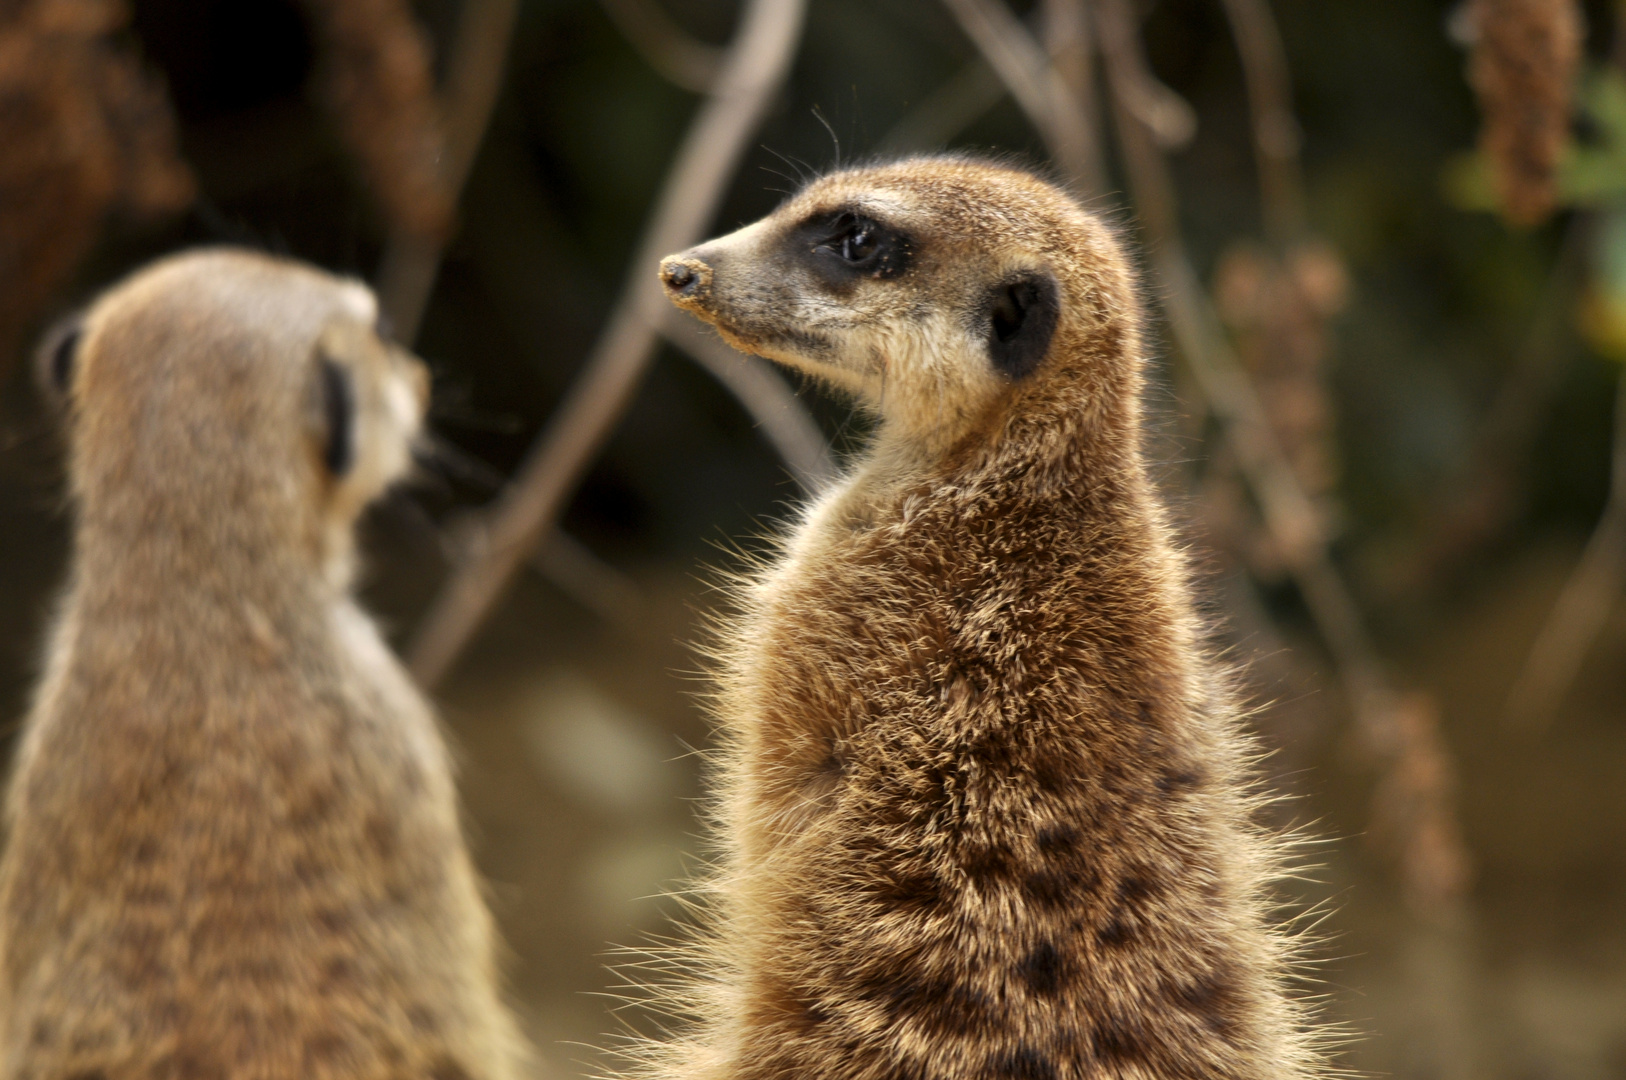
pixel 187 566
pixel 1050 443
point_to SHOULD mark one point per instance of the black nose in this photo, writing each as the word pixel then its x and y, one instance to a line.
pixel 683 277
pixel 679 277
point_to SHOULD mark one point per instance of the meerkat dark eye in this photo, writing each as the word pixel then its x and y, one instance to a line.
pixel 862 244
pixel 859 243
pixel 339 412
pixel 1021 321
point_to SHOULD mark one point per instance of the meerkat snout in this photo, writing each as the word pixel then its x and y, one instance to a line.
pixel 891 290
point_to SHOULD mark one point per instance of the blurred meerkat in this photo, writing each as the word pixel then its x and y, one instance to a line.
pixel 234 848
pixel 984 802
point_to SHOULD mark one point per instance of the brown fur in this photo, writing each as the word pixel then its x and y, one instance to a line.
pixel 234 846
pixel 984 808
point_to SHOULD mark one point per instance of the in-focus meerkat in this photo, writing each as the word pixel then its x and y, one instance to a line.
pixel 234 850
pixel 983 806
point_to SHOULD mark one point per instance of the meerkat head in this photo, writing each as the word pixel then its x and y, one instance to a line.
pixel 235 400
pixel 931 288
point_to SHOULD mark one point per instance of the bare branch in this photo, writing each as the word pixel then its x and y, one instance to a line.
pixel 974 89
pixel 680 58
pixel 1165 115
pixel 1289 513
pixel 411 259
pixel 756 64
pixel 765 395
pixel 1584 605
pixel 1064 28
pixel 1037 86
pixel 1275 129
pixel 945 112
pixel 1402 730
pixel 1487 492
pixel 590 581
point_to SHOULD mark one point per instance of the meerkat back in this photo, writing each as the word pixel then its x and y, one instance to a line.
pixel 234 848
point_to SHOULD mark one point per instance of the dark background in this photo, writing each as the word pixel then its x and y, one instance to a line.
pixel 576 729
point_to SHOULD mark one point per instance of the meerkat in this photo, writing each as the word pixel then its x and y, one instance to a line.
pixel 234 850
pixel 984 807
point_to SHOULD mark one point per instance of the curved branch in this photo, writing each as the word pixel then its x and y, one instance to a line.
pixel 1584 605
pixel 1275 129
pixel 956 104
pixel 406 275
pixel 1400 729
pixel 755 67
pixel 1038 87
pixel 765 395
pixel 676 55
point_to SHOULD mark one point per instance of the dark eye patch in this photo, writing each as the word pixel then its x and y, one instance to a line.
pixel 339 410
pixel 1022 315
pixel 845 245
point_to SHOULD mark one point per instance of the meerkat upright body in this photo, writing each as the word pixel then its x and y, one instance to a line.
pixel 234 849
pixel 983 807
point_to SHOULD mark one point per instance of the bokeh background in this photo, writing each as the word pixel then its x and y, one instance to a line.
pixel 1434 334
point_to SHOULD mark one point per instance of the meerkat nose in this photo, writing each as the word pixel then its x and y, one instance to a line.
pixel 684 277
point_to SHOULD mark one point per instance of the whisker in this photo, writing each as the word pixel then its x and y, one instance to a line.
pixel 453 462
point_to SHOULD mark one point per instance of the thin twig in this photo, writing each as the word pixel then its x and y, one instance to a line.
pixel 1401 729
pixel 959 102
pixel 576 571
pixel 1487 491
pixel 756 64
pixel 407 271
pixel 1064 27
pixel 1275 129
pixel 676 55
pixel 1165 115
pixel 971 91
pixel 1584 605
pixel 766 396
pixel 1037 86
pixel 1289 514
pixel 788 426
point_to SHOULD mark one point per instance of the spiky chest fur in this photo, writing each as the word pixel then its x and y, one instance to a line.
pixel 972 788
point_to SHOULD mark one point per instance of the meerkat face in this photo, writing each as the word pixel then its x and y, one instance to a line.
pixel 239 385
pixel 366 403
pixel 927 287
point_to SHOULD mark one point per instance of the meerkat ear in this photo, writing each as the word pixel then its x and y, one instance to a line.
pixel 1022 316
pixel 338 396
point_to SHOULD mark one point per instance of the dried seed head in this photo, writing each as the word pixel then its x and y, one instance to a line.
pixel 86 131
pixel 377 79
pixel 1525 55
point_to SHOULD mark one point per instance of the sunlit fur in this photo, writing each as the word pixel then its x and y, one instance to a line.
pixel 234 848
pixel 983 807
